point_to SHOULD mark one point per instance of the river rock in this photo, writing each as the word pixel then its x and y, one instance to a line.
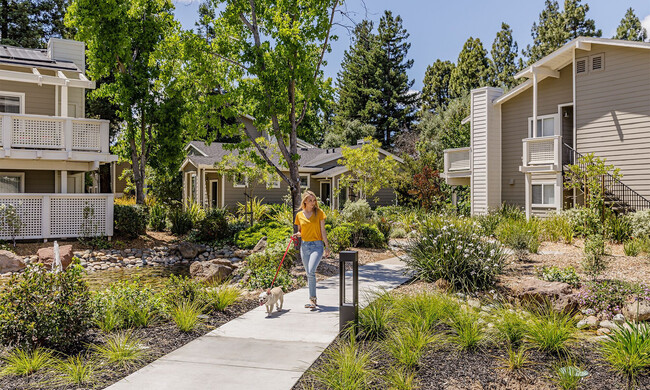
pixel 637 310
pixel 608 325
pixel 188 250
pixel 46 256
pixel 211 271
pixel 592 322
pixel 10 262
pixel 619 318
pixel 260 246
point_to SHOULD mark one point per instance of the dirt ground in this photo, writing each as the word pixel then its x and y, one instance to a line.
pixel 621 267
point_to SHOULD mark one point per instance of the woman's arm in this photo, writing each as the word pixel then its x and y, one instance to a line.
pixel 324 234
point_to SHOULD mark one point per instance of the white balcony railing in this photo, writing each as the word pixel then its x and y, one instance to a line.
pixel 59 215
pixel 54 133
pixel 457 160
pixel 543 151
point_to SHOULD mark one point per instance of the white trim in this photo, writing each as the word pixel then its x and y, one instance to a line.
pixel 308 181
pixel 223 190
pixel 20 95
pixel 195 148
pixel 24 77
pixel 21 175
pixel 234 181
pixel 556 125
pixel 543 183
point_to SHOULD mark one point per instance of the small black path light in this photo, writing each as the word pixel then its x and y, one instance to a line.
pixel 348 311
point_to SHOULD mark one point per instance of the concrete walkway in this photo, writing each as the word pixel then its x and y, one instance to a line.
pixel 256 352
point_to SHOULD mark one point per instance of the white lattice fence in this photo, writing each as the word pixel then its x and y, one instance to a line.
pixel 86 136
pixel 30 212
pixel 540 151
pixel 74 217
pixel 38 133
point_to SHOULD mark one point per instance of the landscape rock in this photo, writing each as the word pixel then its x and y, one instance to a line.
pixel 532 290
pixel 188 250
pixel 260 246
pixel 10 262
pixel 619 319
pixel 637 310
pixel 211 271
pixel 46 256
pixel 592 322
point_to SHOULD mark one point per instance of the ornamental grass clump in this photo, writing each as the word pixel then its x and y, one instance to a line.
pixel 567 374
pixel 221 297
pixel 23 362
pixel 127 304
pixel 186 315
pixel 76 370
pixel 516 359
pixel 407 344
pixel 627 350
pixel 121 349
pixel 468 330
pixel 346 366
pixel 551 331
pixel 452 249
pixel 519 235
pixel 425 309
pixel 401 378
pixel 510 326
pixel 375 319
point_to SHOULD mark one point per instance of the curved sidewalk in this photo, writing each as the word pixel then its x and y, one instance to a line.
pixel 256 352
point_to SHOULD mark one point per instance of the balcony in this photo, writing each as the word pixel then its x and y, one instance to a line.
pixel 542 154
pixel 46 216
pixel 54 138
pixel 458 168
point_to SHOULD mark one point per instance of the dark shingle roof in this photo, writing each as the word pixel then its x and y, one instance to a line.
pixel 33 57
pixel 216 152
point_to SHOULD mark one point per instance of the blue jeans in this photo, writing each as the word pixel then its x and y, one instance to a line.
pixel 311 253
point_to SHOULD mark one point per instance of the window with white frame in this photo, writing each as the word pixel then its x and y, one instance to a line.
pixel 304 181
pixel 12 182
pixel 543 194
pixel 546 126
pixel 239 180
pixel 11 103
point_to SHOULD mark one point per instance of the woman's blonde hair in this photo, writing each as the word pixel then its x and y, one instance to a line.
pixel 306 195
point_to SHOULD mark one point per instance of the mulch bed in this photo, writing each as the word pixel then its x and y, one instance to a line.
pixel 159 340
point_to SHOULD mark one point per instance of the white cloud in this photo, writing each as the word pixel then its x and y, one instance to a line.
pixel 645 23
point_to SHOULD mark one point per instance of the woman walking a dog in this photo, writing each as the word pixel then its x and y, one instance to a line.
pixel 311 228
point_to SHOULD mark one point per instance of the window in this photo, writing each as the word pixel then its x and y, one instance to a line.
pixel 11 103
pixel 304 181
pixel 543 194
pixel 239 180
pixel 12 182
pixel 545 126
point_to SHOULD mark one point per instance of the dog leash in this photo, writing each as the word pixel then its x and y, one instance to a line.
pixel 285 255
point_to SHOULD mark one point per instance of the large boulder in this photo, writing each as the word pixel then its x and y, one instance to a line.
pixel 536 291
pixel 260 246
pixel 46 256
pixel 189 250
pixel 637 310
pixel 10 262
pixel 215 270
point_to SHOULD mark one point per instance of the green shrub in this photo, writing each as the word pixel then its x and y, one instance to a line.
pixel 274 232
pixel 214 226
pixel 130 221
pixel 627 350
pixel 397 232
pixel 340 238
pixel 508 211
pixel 180 221
pixel 368 236
pixel 618 228
pixel 131 304
pixel 519 234
pixel 585 221
pixel 557 274
pixel 551 331
pixel 186 315
pixel 640 223
pixel 357 212
pixel 636 246
pixel 384 226
pixel 158 217
pixel 195 212
pixel 607 297
pixel 488 223
pixel 453 250
pixel 40 308
pixel 262 277
pixel 558 227
pixel 272 255
pixel 182 288
pixel 594 262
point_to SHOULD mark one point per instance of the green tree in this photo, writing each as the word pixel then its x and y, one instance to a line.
pixel 472 69
pixel 122 38
pixel 30 23
pixel 435 92
pixel 396 104
pixel 444 130
pixel 268 56
pixel 367 171
pixel 630 28
pixel 556 28
pixel 356 83
pixel 347 132
pixel 504 55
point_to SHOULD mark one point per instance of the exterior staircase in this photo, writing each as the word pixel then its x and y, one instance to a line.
pixel 617 195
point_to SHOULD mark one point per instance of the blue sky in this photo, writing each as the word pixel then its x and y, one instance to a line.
pixel 438 29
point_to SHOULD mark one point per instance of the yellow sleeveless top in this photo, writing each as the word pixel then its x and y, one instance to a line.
pixel 310 227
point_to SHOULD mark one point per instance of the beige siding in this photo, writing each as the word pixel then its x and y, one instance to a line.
pixel 39 100
pixel 39 181
pixel 386 198
pixel 514 128
pixel 69 50
pixel 613 113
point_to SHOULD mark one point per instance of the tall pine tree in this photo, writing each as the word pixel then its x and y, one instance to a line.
pixel 30 23
pixel 435 92
pixel 556 28
pixel 396 103
pixel 504 55
pixel 630 28
pixel 472 69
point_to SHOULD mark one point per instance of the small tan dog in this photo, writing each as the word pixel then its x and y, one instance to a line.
pixel 275 298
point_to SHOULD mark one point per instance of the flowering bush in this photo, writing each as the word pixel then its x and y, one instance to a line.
pixel 557 274
pixel 453 250
pixel 608 297
pixel 640 223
